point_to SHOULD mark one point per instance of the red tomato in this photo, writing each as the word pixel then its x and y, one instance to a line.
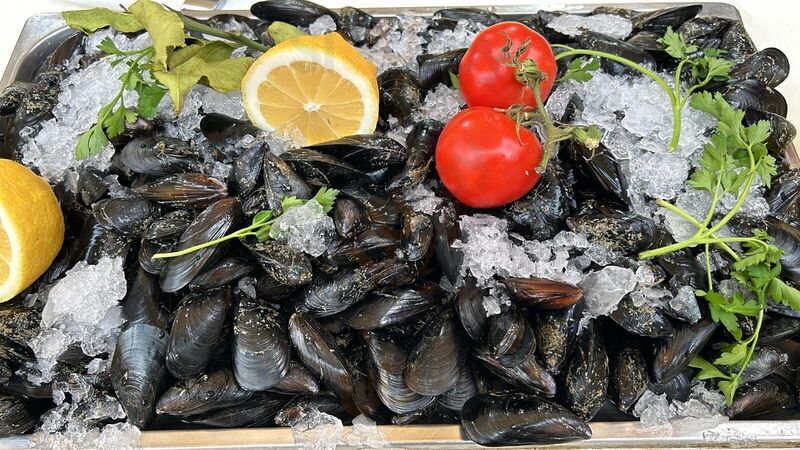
pixel 486 81
pixel 483 162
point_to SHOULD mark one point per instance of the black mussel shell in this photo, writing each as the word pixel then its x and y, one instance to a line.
pixel 678 388
pixel 767 395
pixel 778 327
pixel 260 348
pixel 556 331
pixel 599 42
pixel 320 169
pixel 169 226
pixel 764 362
pixel 446 230
pixel 372 245
pixel 225 271
pixel 142 302
pixel 770 66
pixel 128 216
pixel 510 337
pixel 787 238
pixel 95 242
pixel 147 250
pixel 349 217
pixel 214 222
pixel 684 268
pixel 138 371
pixel 659 20
pixel 400 94
pixel 197 326
pixel 354 24
pixel 19 324
pixel 704 32
pixel 542 293
pixel 15 420
pixel 436 69
pixel 469 305
pixel 517 419
pixel 678 350
pixel 246 169
pixel 298 380
pixel 208 392
pixel 91 187
pixel 380 210
pixel 626 233
pixel 464 389
pixel 643 319
pixel 448 18
pixel 38 105
pixel 318 350
pixel 295 12
pixel 736 42
pixel 417 234
pixel 271 289
pixel 752 94
pixel 586 376
pixel 192 190
pixel 159 156
pixel 393 305
pixel 220 129
pixel 782 132
pixel 628 378
pixel 368 152
pixel 280 181
pixel 12 96
pixel 529 375
pixel 542 213
pixel 258 411
pixel 421 144
pixel 388 359
pixel 282 263
pixel 435 362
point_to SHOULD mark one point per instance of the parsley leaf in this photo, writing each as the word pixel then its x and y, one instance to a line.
pixel 579 70
pixel 707 370
pixel 675 45
pixel 454 80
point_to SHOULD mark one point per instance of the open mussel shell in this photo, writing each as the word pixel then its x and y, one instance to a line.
pixel 367 152
pixel 628 375
pixel 318 350
pixel 678 350
pixel 295 12
pixel 280 181
pixel 127 216
pixel 372 245
pixel 556 331
pixel 752 94
pixel 281 262
pixel 436 69
pixel 220 129
pixel 517 419
pixel 260 347
pixel 435 362
pixel 222 273
pixel 258 411
pixel 246 169
pixel 659 20
pixel 510 337
pixel 15 419
pixel 298 380
pixel 770 66
pixel 169 226
pixel 195 330
pixel 586 376
pixel 192 190
pixel 768 395
pixel 141 303
pixel 349 217
pixel 643 319
pixel 393 305
pixel 158 156
pixel 528 375
pixel 421 144
pixel 138 371
pixel 214 222
pixel 321 169
pixel 400 94
pixel 542 293
pixel 624 232
pixel 471 313
pixel 208 392
pixel 388 358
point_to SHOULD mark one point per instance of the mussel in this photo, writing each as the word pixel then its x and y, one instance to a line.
pixel 528 375
pixel 677 351
pixel 542 293
pixel 401 95
pixel 626 233
pixel 586 376
pixel 659 20
pixel 349 217
pixel 260 347
pixel 542 213
pixel 246 169
pixel 281 181
pixel 767 395
pixel 436 69
pixel 368 152
pixel 281 262
pixel 193 190
pixel 642 319
pixel 295 12
pixel 770 66
pixel 510 337
pixel 208 392
pixel 142 301
pixel 129 216
pixel 556 331
pixel 393 305
pixel 15 419
pixel 435 362
pixel 321 169
pixel 159 156
pixel 628 375
pixel 421 143
pixel 752 94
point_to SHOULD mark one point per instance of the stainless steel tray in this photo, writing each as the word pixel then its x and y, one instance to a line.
pixel 43 32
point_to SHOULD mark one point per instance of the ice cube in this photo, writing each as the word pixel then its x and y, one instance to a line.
pixel 653 410
pixel 609 24
pixel 684 304
pixel 229 104
pixel 247 285
pixel 323 24
pixel 187 125
pixel 422 199
pixel 658 175
pixel 365 434
pixel 306 228
pixel 315 430
pixel 442 103
pixel 696 204
pixel 461 36
pixel 488 250
pixel 602 290
pixel 397 42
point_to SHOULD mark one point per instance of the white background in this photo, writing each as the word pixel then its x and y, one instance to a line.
pixel 771 23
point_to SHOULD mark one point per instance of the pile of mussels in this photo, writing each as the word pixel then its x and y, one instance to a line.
pixel 366 328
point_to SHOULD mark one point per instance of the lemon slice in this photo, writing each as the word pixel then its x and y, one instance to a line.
pixel 31 228
pixel 313 89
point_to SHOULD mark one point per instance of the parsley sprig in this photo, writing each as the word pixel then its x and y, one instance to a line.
pixel 730 164
pixel 261 224
pixel 706 66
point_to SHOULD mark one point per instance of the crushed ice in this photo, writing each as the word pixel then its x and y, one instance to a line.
pixel 305 228
pixel 422 199
pixel 461 36
pixel 609 24
pixel 441 103
pixel 397 42
pixel 323 24
pixel 703 409
pixel 315 430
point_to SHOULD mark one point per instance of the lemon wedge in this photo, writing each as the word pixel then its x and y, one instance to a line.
pixel 31 228
pixel 312 89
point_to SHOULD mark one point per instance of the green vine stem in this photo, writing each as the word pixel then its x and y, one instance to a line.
pixel 193 25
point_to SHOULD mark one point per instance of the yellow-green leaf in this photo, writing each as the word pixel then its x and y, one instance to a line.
pixel 178 84
pixel 91 20
pixel 165 28
pixel 226 75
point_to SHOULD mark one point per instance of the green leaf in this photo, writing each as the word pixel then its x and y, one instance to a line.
pixel 579 70
pixel 107 45
pixel 758 132
pixel 707 370
pixel 290 201
pixel 732 354
pixel 165 28
pixel 728 387
pixel 708 68
pixel 150 96
pixel 91 142
pixel 454 80
pixel 326 197
pixel 114 123
pixel 282 31
pixel 675 45
pixel 781 292
pixel 91 20
pixel 262 217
